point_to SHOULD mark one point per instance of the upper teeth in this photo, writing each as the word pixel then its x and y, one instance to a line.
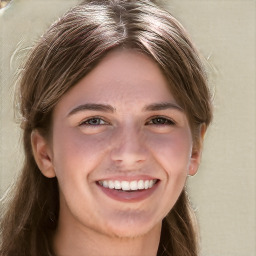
pixel 128 185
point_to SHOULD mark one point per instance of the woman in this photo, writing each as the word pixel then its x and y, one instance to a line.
pixel 115 106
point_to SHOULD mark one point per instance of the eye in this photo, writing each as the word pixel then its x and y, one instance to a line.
pixel 160 121
pixel 95 121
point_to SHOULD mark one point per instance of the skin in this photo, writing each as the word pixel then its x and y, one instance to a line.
pixel 130 138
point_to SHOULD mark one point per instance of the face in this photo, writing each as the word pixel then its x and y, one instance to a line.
pixel 121 148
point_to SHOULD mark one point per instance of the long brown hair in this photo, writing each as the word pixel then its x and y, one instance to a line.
pixel 66 53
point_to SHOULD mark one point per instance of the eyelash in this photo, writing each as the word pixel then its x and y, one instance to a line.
pixel 162 120
pixel 86 122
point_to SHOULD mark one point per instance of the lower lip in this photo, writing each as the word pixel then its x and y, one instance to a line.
pixel 124 196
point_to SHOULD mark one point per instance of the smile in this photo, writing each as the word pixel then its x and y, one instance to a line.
pixel 128 185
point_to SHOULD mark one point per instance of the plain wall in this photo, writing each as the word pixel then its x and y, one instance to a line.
pixel 223 192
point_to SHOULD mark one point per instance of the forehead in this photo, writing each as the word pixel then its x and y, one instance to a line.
pixel 124 77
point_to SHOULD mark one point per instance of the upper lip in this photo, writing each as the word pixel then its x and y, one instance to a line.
pixel 129 178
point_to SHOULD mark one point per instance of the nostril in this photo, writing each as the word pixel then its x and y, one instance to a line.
pixel 128 156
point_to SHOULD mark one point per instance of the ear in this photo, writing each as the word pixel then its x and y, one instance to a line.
pixel 197 152
pixel 42 154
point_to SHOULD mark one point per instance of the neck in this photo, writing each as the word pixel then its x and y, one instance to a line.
pixel 76 242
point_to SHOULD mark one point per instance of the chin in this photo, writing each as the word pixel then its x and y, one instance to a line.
pixel 130 228
pixel 128 234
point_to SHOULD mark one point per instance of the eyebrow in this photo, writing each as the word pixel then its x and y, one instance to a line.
pixel 93 107
pixel 110 109
pixel 163 106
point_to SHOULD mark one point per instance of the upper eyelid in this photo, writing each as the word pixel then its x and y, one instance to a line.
pixel 93 117
pixel 161 116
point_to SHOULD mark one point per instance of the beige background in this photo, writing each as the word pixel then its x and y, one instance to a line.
pixel 223 192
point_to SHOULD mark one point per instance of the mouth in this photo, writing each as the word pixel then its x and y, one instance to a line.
pixel 128 191
pixel 128 186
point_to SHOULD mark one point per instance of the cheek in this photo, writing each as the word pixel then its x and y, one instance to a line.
pixel 75 153
pixel 173 151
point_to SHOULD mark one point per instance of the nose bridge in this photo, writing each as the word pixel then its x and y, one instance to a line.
pixel 129 145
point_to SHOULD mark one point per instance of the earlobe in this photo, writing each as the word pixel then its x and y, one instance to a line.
pixel 194 163
pixel 197 152
pixel 42 154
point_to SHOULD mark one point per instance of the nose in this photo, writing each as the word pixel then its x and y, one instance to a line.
pixel 129 147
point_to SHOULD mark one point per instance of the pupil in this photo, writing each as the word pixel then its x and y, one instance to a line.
pixel 159 121
pixel 94 121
